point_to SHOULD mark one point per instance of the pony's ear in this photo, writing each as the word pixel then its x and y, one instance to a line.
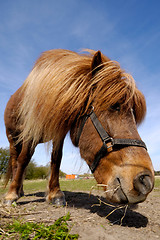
pixel 96 63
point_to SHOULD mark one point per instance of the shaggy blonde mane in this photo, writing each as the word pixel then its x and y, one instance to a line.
pixel 61 86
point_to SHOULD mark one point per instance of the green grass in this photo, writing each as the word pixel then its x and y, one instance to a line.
pixel 31 186
pixel 157 183
pixel 66 185
pixel 77 184
pixel 30 230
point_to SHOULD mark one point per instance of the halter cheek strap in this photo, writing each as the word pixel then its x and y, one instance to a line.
pixel 109 143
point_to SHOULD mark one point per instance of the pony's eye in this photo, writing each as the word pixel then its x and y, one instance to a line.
pixel 116 107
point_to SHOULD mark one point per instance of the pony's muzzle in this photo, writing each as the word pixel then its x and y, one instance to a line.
pixel 131 191
pixel 143 183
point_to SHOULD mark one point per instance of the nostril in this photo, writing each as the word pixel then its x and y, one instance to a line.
pixel 143 183
pixel 141 178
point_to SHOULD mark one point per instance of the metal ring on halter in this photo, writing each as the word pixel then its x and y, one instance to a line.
pixel 109 140
pixel 92 110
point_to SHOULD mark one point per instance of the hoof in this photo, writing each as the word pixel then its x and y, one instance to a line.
pixel 57 200
pixel 9 203
pixel 21 194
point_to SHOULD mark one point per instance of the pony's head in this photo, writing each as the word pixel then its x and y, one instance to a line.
pixel 122 165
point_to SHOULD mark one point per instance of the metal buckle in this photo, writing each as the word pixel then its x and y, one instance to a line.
pixel 109 140
pixel 91 111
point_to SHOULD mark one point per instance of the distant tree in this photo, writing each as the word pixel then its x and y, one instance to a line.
pixel 62 174
pixel 4 158
pixel 86 175
pixel 157 173
pixel 41 172
pixel 36 172
pixel 30 170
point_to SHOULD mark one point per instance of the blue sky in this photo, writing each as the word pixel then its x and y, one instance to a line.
pixel 125 30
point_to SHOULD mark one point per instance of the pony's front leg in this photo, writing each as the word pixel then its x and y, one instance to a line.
pixel 55 195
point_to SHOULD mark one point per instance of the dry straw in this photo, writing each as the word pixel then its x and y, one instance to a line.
pixel 119 207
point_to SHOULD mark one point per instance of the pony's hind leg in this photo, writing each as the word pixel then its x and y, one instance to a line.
pixel 18 167
pixel 55 195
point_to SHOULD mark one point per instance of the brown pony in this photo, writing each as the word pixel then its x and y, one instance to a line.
pixel 59 96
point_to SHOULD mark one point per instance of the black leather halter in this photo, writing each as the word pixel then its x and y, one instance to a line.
pixel 109 143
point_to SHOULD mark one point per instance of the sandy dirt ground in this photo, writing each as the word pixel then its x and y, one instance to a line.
pixel 88 216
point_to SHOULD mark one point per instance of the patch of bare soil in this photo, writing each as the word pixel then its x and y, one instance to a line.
pixel 89 218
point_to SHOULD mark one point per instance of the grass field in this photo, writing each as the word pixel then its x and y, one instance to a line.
pixel 157 182
pixel 66 185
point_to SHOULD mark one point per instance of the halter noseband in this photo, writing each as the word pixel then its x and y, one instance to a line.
pixel 109 143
